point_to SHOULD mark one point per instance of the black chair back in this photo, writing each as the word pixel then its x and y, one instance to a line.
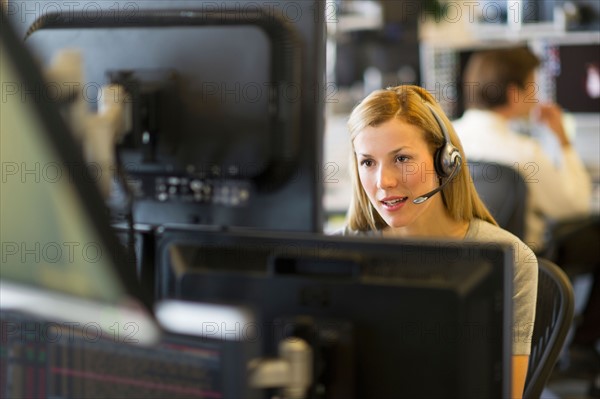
pixel 502 189
pixel 553 317
pixel 573 244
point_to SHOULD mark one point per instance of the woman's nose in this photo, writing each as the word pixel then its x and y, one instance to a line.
pixel 386 178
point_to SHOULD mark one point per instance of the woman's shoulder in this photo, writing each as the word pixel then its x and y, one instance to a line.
pixel 481 230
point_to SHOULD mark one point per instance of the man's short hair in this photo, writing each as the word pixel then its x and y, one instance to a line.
pixel 489 73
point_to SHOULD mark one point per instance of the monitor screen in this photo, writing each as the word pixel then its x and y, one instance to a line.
pixel 48 359
pixel 578 77
pixel 385 318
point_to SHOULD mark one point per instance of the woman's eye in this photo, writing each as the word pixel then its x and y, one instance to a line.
pixel 366 162
pixel 402 158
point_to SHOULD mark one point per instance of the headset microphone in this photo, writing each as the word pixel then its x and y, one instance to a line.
pixel 425 197
pixel 447 160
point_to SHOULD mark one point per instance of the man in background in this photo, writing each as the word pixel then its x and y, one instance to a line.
pixel 499 87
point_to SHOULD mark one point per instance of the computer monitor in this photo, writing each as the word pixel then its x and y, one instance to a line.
pixel 47 359
pixel 74 322
pixel 385 318
pixel 56 242
pixel 227 103
pixel 576 70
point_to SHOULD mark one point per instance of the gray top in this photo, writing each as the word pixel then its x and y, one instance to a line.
pixel 524 279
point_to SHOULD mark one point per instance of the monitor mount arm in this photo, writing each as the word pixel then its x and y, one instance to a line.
pixel 285 67
pixel 292 371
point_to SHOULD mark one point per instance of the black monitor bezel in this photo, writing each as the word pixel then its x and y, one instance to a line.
pixel 176 285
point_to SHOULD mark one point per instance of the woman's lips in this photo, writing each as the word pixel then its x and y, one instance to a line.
pixel 393 203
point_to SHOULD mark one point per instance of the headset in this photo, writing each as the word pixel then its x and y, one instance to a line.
pixel 447 160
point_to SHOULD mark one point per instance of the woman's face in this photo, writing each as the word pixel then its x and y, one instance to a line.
pixel 395 166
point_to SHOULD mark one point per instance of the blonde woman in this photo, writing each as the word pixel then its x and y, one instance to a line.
pixel 409 180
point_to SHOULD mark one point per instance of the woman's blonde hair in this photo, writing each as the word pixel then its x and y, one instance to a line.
pixel 407 103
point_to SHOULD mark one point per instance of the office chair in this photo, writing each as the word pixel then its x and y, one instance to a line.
pixel 553 317
pixel 502 189
pixel 573 244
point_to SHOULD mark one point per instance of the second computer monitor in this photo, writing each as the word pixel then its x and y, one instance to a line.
pixel 385 318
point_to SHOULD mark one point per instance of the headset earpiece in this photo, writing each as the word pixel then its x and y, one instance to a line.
pixel 447 161
pixel 447 157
